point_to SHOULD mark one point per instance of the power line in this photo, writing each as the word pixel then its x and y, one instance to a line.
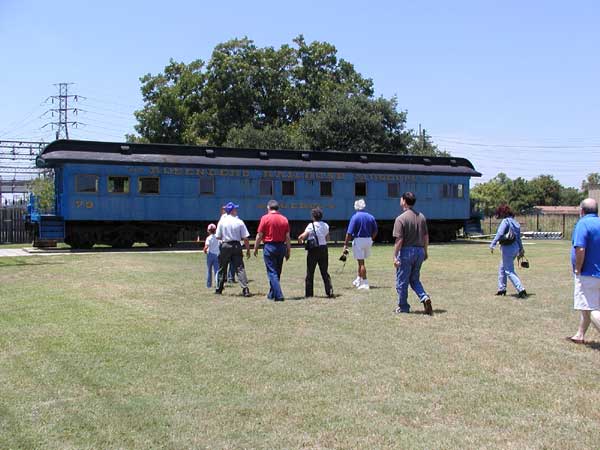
pixel 482 144
pixel 113 103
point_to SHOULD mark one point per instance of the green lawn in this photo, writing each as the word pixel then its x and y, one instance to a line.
pixel 132 351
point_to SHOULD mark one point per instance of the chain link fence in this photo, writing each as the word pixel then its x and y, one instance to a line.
pixel 558 223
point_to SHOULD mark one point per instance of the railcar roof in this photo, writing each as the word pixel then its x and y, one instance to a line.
pixel 94 152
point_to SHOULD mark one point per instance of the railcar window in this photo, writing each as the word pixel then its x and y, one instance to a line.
pixel 149 185
pixel 86 183
pixel 360 189
pixel 266 187
pixel 326 189
pixel 288 188
pixel 453 190
pixel 207 185
pixel 118 185
pixel 393 190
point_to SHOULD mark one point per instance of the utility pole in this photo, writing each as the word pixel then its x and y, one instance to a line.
pixel 63 110
pixel 421 138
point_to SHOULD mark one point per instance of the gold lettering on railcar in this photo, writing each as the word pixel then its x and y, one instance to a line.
pixel 88 204
pixel 238 173
pixel 388 177
pixel 300 205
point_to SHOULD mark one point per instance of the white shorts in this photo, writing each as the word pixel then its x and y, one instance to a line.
pixel 361 247
pixel 587 293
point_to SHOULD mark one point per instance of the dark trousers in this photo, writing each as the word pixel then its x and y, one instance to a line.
pixel 230 274
pixel 231 254
pixel 320 256
pixel 273 255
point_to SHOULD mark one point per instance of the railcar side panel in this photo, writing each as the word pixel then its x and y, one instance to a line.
pixel 179 197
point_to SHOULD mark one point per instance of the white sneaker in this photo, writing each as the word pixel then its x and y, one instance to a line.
pixel 364 285
pixel 356 283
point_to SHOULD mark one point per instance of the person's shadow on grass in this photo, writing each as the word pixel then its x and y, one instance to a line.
pixel 593 345
pixel 28 263
pixel 435 311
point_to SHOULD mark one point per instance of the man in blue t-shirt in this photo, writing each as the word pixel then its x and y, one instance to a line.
pixel 585 258
pixel 362 230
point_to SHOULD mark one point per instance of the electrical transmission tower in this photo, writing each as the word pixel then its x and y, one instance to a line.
pixel 63 110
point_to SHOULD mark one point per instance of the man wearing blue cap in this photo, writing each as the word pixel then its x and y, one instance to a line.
pixel 231 230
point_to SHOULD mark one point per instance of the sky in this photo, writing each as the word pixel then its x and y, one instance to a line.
pixel 511 85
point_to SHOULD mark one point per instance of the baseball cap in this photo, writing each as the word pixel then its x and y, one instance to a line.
pixel 230 207
pixel 211 226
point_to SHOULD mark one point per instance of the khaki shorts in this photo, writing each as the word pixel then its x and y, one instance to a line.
pixel 587 293
pixel 361 247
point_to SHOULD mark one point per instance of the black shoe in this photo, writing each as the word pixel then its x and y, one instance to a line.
pixel 501 292
pixel 218 291
pixel 246 292
pixel 523 294
pixel 398 310
pixel 279 299
pixel 330 294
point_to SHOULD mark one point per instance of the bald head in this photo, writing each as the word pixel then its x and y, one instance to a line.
pixel 589 206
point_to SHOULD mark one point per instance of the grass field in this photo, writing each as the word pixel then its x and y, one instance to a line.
pixel 132 351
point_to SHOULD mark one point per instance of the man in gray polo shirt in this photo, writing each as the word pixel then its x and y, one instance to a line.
pixel 231 231
pixel 410 251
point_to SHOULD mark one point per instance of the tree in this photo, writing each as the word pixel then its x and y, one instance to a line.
pixel 266 138
pixel 545 190
pixel 591 179
pixel 295 96
pixel 571 196
pixel 43 189
pixel 522 195
pixel 488 196
pixel 173 108
pixel 356 123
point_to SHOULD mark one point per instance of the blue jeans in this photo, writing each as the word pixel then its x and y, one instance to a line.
pixel 231 273
pixel 273 254
pixel 411 259
pixel 212 266
pixel 507 268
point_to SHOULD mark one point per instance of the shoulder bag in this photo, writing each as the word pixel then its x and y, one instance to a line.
pixel 311 240
pixel 509 237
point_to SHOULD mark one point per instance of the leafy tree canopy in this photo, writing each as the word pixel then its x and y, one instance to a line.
pixel 299 96
pixel 43 189
pixel 522 195
pixel 591 179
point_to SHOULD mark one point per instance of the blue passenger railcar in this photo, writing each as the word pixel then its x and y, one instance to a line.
pixel 117 194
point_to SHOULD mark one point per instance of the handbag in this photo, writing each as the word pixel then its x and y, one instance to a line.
pixel 507 238
pixel 524 262
pixel 311 240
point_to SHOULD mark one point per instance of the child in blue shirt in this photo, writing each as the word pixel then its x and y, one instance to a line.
pixel 211 248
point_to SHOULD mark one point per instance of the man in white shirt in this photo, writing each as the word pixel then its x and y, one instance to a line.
pixel 231 271
pixel 231 231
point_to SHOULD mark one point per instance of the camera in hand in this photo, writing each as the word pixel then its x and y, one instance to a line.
pixel 344 255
